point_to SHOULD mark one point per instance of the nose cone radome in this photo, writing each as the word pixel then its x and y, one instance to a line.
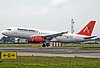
pixel 4 32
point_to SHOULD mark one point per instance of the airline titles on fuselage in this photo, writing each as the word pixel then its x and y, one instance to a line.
pixel 30 30
pixel 26 30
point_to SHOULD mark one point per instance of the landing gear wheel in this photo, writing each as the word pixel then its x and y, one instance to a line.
pixel 43 45
pixel 47 44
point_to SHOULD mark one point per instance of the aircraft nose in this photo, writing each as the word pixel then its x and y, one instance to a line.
pixel 4 32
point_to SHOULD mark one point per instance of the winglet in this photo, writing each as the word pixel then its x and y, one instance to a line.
pixel 88 29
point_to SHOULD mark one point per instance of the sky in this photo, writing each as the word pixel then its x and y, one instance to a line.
pixel 53 15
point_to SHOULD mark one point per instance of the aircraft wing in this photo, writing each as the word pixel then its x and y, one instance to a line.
pixel 51 36
pixel 89 37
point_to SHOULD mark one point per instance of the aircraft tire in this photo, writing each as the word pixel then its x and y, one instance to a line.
pixel 47 44
pixel 43 45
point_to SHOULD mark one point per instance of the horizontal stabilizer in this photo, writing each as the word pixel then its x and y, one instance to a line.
pixel 89 37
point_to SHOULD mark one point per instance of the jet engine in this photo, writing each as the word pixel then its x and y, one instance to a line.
pixel 35 39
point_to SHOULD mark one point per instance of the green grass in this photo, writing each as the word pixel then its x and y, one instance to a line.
pixel 82 46
pixel 19 45
pixel 64 45
pixel 51 62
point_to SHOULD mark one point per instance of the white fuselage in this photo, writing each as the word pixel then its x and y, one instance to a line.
pixel 27 33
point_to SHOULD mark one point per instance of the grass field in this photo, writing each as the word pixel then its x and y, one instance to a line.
pixel 82 46
pixel 51 62
pixel 64 45
pixel 20 45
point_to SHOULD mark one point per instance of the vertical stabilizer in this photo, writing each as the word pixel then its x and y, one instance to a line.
pixel 88 29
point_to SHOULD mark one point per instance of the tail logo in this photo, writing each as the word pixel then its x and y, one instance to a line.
pixel 87 30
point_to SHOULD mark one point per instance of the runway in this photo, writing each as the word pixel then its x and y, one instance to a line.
pixel 63 52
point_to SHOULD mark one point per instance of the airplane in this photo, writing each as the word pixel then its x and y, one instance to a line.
pixel 45 36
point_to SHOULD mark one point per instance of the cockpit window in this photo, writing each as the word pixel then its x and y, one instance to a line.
pixel 9 29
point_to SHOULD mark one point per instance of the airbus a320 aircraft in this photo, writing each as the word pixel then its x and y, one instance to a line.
pixel 45 37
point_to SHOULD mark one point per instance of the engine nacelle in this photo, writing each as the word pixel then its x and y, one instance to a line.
pixel 35 39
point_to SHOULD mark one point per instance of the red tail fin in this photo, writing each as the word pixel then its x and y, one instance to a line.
pixel 87 30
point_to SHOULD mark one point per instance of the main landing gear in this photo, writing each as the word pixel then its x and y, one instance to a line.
pixel 46 45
